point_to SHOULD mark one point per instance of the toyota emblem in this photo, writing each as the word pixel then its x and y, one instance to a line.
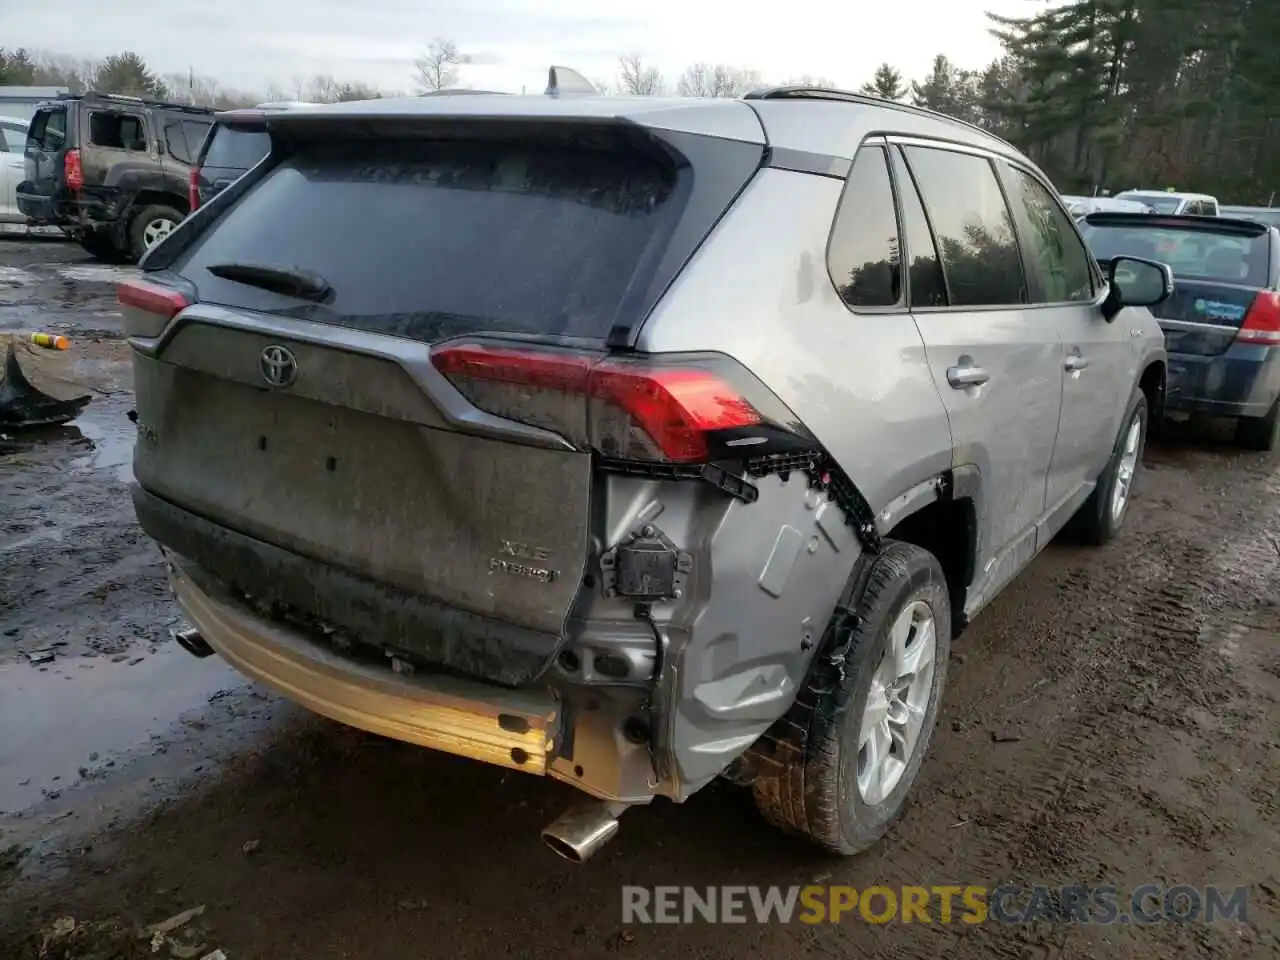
pixel 279 366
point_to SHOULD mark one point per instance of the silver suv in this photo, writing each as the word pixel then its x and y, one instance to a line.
pixel 632 442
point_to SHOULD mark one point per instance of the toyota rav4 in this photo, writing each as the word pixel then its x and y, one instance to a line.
pixel 632 442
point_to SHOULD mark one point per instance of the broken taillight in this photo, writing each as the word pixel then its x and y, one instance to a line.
pixel 683 410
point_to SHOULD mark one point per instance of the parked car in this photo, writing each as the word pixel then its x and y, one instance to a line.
pixel 1268 215
pixel 1190 204
pixel 112 171
pixel 1079 206
pixel 13 136
pixel 1222 324
pixel 610 439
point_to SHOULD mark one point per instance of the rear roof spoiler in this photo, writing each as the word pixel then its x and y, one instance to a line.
pixel 1230 225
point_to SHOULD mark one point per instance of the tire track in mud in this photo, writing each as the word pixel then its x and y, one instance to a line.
pixel 1132 656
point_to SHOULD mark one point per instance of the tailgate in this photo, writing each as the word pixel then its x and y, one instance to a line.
pixel 356 467
pixel 1202 318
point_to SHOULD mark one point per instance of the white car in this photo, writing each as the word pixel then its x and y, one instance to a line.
pixel 13 143
pixel 1194 204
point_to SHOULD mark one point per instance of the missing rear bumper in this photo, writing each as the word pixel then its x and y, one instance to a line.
pixel 506 728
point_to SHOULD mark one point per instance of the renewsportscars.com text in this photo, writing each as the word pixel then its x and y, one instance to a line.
pixel 1009 904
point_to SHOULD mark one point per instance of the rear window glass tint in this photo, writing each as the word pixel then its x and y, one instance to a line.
pixel 237 148
pixel 430 239
pixel 1195 254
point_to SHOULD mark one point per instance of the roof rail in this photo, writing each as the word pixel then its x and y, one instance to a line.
pixel 134 101
pixel 866 99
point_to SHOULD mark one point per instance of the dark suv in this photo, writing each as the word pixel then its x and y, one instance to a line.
pixel 235 144
pixel 111 171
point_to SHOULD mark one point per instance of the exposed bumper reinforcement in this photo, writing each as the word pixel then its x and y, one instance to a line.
pixel 508 728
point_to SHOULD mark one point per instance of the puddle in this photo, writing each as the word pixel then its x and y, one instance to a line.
pixel 112 434
pixel 54 718
pixel 96 273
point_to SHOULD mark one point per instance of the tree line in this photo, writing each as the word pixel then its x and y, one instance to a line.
pixel 1102 94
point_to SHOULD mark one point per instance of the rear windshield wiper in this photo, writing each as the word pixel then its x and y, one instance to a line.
pixel 289 281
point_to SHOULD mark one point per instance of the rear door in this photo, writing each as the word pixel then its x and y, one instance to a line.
pixel 1098 358
pixel 997 364
pixel 116 141
pixel 365 457
pixel 47 144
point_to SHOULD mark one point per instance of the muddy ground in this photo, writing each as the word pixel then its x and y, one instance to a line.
pixel 1111 719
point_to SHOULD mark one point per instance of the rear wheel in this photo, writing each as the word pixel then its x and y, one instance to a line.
pixel 100 244
pixel 149 226
pixel 1260 433
pixel 837 769
pixel 1100 517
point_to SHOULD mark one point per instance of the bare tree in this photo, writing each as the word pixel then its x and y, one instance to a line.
pixel 638 79
pixel 438 67
pixel 717 80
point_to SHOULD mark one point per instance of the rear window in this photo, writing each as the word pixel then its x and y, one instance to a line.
pixel 237 147
pixel 1195 254
pixel 48 130
pixel 428 239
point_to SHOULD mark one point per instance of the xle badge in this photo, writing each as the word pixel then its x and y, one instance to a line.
pixel 523 560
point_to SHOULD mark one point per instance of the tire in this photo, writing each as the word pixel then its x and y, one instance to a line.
pixel 100 245
pixel 146 222
pixel 1098 521
pixel 807 780
pixel 1260 433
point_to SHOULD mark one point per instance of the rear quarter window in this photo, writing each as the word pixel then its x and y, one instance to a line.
pixel 428 239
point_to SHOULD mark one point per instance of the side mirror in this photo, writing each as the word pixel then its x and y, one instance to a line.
pixel 1135 282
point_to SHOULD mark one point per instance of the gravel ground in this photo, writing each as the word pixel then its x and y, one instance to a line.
pixel 1111 719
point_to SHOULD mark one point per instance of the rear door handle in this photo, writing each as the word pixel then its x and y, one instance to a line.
pixel 966 374
pixel 1075 363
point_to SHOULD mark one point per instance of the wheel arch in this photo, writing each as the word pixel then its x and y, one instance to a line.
pixel 941 515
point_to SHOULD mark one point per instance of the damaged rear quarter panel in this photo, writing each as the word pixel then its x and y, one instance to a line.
pixel 860 383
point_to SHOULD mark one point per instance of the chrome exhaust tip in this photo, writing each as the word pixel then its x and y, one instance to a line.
pixel 191 641
pixel 581 831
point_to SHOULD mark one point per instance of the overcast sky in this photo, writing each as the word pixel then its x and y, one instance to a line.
pixel 249 45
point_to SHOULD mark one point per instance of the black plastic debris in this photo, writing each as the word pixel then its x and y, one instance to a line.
pixel 22 406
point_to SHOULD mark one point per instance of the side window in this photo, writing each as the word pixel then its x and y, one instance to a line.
pixel 973 227
pixel 121 131
pixel 863 256
pixel 5 135
pixel 925 283
pixel 1055 252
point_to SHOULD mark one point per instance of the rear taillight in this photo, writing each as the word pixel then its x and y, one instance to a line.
pixel 193 190
pixel 72 172
pixel 1262 322
pixel 681 410
pixel 149 306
